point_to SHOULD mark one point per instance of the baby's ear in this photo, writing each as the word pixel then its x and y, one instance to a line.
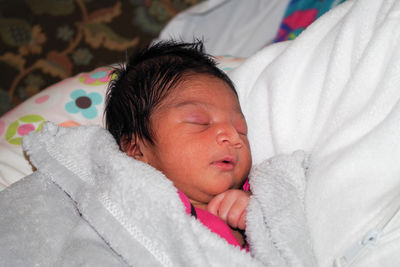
pixel 132 148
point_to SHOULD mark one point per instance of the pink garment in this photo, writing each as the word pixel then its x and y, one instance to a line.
pixel 215 224
pixel 246 185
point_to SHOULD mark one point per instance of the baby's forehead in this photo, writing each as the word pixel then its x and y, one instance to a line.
pixel 199 84
pixel 187 91
pixel 195 99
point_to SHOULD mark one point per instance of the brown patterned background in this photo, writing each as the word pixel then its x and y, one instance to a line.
pixel 45 41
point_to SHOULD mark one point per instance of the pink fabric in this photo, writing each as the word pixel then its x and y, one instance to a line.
pixel 215 224
pixel 246 185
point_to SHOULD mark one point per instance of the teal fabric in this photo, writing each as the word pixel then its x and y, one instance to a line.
pixel 300 14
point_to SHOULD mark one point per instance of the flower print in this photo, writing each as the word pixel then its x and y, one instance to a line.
pixel 42 99
pixel 33 83
pixel 69 124
pixel 34 79
pixel 82 56
pixel 19 33
pixel 65 33
pixel 145 22
pixel 23 126
pixel 34 45
pixel 97 77
pixel 85 103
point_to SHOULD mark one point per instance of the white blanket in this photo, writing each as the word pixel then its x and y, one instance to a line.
pixel 334 92
pixel 89 204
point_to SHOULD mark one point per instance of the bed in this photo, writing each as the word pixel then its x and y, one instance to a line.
pixel 332 92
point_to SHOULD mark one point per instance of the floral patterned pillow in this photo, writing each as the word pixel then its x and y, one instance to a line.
pixel 72 102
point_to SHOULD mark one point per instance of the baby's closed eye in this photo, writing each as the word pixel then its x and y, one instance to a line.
pixel 197 119
pixel 241 128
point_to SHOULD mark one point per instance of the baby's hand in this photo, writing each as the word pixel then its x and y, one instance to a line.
pixel 231 206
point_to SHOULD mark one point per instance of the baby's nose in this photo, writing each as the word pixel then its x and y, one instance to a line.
pixel 227 134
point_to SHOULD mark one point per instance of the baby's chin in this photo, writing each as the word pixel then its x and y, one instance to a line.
pixel 201 202
pixel 229 186
pixel 221 191
pixel 204 198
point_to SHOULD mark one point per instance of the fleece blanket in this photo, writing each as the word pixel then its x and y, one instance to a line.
pixel 334 92
pixel 89 204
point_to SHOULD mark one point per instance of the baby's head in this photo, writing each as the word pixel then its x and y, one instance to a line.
pixel 172 108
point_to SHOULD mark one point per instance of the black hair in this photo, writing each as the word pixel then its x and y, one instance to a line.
pixel 145 80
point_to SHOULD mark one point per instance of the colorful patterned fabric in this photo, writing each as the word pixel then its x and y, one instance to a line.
pixel 43 42
pixel 300 14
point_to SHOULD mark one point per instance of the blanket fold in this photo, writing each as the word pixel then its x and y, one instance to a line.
pixel 133 211
pixel 280 180
pixel 334 92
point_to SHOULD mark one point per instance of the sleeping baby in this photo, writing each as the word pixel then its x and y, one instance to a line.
pixel 177 119
pixel 172 108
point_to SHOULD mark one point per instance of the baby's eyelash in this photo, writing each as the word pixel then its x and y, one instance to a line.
pixel 199 120
pixel 242 133
pixel 241 130
pixel 199 123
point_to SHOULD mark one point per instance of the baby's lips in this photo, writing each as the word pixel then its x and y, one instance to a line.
pixel 226 163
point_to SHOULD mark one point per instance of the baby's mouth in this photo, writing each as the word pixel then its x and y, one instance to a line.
pixel 225 164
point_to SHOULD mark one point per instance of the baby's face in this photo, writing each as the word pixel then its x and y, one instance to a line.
pixel 200 139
